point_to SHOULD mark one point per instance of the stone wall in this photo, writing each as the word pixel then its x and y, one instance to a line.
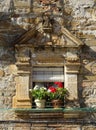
pixel 7 88
pixel 79 19
pixel 30 126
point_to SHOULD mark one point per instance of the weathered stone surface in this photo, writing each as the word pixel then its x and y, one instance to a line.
pixel 1 73
pixel 12 69
pixel 79 18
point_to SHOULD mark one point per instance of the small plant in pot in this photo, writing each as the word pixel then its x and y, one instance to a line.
pixel 56 94
pixel 39 95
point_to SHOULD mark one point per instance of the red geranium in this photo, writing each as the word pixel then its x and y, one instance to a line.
pixel 59 84
pixel 56 92
pixel 52 89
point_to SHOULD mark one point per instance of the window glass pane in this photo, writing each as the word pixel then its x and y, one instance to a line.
pixel 48 74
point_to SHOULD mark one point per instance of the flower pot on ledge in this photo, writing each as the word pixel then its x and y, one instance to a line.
pixel 40 104
pixel 56 103
pixel 39 94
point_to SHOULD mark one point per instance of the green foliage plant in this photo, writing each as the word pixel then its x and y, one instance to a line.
pixel 40 93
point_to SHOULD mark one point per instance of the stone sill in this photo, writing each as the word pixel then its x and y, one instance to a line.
pixel 50 113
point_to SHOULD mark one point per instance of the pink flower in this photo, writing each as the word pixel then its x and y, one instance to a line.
pixel 51 89
pixel 59 84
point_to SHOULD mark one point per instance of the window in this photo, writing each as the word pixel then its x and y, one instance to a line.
pixel 47 76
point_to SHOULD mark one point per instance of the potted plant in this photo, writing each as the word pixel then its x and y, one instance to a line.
pixel 39 95
pixel 56 94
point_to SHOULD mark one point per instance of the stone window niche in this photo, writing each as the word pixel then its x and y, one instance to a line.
pixel 46 71
pixel 47 64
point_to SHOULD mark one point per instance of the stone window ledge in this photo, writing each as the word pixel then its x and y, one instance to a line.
pixel 51 113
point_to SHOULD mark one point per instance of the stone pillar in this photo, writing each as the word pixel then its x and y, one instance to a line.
pixel 71 82
pixel 22 99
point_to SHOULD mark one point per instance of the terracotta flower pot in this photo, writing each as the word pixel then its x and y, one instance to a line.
pixel 57 103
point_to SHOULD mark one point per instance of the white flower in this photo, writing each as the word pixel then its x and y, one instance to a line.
pixel 39 86
pixel 36 87
pixel 43 88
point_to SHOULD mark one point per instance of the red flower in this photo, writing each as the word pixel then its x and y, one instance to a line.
pixel 59 84
pixel 52 89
